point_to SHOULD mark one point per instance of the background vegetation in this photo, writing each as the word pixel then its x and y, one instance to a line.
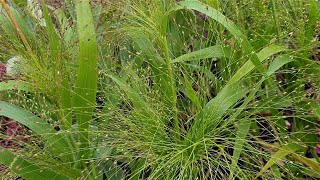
pixel 159 89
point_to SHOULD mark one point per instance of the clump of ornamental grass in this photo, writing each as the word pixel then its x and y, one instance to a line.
pixel 195 101
pixel 181 90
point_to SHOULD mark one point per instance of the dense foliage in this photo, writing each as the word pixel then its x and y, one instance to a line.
pixel 160 89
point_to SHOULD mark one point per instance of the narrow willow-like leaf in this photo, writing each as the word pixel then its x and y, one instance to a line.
pixel 26 169
pixel 58 144
pixel 279 155
pixel 205 53
pixel 228 24
pixel 87 76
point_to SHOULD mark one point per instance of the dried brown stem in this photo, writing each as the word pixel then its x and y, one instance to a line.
pixel 16 25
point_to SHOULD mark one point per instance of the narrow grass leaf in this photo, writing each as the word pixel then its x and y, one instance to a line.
pixel 58 144
pixel 248 66
pixel 279 155
pixel 231 93
pixel 242 132
pixel 55 46
pixel 205 53
pixel 145 112
pixel 191 93
pixel 162 80
pixel 277 63
pixel 276 172
pixel 313 17
pixel 137 168
pixel 113 172
pixel 243 129
pixel 211 114
pixel 314 165
pixel 87 76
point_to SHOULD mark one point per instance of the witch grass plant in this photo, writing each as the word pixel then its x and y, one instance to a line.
pixel 170 127
pixel 186 90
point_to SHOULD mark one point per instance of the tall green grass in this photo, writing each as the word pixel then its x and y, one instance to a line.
pixel 165 90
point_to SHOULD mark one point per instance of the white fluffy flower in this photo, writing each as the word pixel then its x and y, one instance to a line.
pixel 12 65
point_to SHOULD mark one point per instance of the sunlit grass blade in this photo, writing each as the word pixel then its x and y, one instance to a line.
pixel 315 166
pixel 243 129
pixel 84 95
pixel 209 52
pixel 262 55
pixel 279 155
